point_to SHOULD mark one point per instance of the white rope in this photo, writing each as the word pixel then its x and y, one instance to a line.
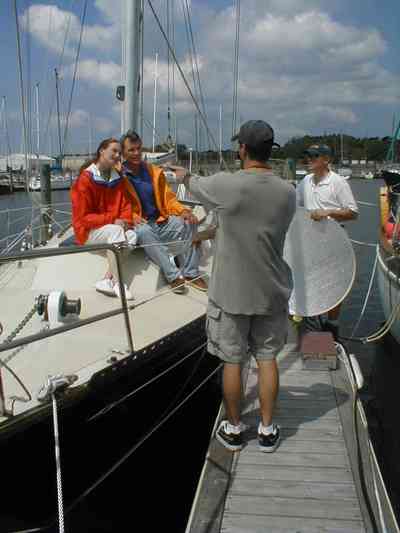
pixel 58 463
pixel 371 280
pixel 361 243
pixel 369 204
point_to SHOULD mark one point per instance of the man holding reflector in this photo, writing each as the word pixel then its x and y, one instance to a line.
pixel 326 195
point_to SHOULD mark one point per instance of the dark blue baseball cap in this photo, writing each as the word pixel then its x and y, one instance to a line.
pixel 318 149
pixel 255 133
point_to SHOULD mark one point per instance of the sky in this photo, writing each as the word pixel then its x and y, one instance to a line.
pixel 305 66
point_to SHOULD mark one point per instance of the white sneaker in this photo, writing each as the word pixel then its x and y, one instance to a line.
pixel 128 294
pixel 105 286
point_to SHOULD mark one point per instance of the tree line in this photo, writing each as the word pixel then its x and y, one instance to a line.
pixel 351 148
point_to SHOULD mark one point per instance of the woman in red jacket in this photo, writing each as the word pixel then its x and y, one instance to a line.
pixel 101 212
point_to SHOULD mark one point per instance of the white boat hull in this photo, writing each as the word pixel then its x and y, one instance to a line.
pixel 389 289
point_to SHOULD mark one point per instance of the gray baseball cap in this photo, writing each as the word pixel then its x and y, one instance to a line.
pixel 319 149
pixel 255 133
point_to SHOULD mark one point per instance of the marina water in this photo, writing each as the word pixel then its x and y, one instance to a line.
pixel 154 488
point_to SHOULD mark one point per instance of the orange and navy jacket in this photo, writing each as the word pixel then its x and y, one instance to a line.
pixel 97 202
pixel 165 198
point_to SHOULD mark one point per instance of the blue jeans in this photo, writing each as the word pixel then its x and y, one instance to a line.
pixel 174 229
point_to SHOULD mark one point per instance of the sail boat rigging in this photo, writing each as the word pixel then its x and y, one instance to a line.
pixel 94 351
pixel 97 367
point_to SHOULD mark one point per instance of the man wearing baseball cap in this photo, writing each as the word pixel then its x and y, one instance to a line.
pixel 326 195
pixel 250 283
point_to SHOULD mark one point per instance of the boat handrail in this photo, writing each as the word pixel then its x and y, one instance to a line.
pixel 40 253
pixel 71 250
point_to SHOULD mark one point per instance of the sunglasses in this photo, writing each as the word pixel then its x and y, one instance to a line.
pixel 313 156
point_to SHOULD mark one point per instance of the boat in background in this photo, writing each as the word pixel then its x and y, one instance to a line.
pixel 345 172
pixel 368 175
pixel 160 158
pixel 58 182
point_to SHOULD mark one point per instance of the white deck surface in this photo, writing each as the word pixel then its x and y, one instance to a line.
pixel 85 350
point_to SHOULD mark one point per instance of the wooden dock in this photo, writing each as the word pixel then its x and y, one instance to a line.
pixel 309 485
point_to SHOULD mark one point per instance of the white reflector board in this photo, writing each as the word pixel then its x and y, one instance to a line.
pixel 323 264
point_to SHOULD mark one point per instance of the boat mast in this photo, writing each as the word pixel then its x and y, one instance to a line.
pixel 90 135
pixel 155 102
pixel 220 134
pixel 37 119
pixel 132 47
pixel 341 149
pixel 58 116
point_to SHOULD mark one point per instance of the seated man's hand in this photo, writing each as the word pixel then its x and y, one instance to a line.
pixel 180 172
pixel 189 217
pixel 319 214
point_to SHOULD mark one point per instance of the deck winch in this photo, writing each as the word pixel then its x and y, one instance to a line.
pixel 57 308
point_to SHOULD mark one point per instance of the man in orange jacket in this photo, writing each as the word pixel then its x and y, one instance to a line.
pixel 159 218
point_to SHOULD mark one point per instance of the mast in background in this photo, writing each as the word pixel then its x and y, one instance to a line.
pixel 90 147
pixel 37 119
pixel 59 158
pixel 220 135
pixel 155 102
pixel 341 149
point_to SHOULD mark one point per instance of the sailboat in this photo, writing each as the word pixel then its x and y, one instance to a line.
pixel 388 252
pixel 62 340
pixel 70 354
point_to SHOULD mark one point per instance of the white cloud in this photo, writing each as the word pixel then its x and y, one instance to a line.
pixel 97 73
pixel 301 67
pixel 55 28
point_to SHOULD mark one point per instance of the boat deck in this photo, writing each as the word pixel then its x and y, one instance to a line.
pixel 157 313
pixel 307 485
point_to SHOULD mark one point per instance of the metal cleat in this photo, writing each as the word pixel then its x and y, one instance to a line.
pixel 55 385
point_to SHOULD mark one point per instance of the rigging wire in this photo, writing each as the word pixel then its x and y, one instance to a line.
pixel 168 5
pixel 196 64
pixel 173 10
pixel 59 67
pixel 184 79
pixel 236 70
pixel 22 90
pixel 83 19
pixel 142 67
pixel 28 83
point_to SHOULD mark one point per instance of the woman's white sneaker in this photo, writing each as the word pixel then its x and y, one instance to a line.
pixel 128 294
pixel 105 286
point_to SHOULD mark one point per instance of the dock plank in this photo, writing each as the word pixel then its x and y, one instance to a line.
pixel 287 460
pixel 296 422
pixel 237 523
pixel 295 473
pixel 307 485
pixel 294 445
pixel 293 489
pixel 294 507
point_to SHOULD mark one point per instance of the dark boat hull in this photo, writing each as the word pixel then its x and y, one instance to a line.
pixel 91 437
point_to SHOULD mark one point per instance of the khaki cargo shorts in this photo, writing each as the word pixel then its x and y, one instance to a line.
pixel 231 337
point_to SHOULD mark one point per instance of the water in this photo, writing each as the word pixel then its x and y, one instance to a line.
pixel 157 484
pixel 21 209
